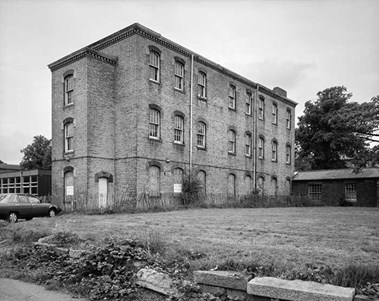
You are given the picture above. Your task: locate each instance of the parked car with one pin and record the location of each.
(15, 205)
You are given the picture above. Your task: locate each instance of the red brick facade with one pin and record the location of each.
(112, 97)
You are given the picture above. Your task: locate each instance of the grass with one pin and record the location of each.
(290, 237)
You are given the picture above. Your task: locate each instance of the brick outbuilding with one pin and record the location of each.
(133, 111)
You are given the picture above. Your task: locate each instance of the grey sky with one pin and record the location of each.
(301, 46)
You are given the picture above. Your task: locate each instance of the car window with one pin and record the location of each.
(23, 199)
(7, 198)
(34, 200)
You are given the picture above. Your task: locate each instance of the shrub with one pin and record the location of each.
(191, 188)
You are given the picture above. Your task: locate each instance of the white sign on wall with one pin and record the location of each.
(177, 188)
(69, 190)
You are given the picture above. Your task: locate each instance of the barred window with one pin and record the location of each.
(261, 147)
(261, 108)
(274, 156)
(154, 124)
(249, 103)
(178, 129)
(201, 132)
(232, 97)
(351, 192)
(232, 142)
(68, 137)
(202, 82)
(179, 75)
(274, 113)
(248, 145)
(68, 89)
(154, 66)
(315, 192)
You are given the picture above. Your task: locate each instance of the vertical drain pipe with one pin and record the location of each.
(255, 119)
(191, 123)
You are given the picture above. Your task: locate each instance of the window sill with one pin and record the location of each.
(248, 156)
(261, 118)
(274, 161)
(178, 143)
(179, 90)
(68, 105)
(70, 152)
(248, 114)
(154, 81)
(261, 158)
(231, 154)
(275, 123)
(201, 148)
(155, 139)
(201, 98)
(232, 109)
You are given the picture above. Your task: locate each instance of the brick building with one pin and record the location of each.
(134, 110)
(336, 187)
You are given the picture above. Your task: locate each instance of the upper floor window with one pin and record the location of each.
(274, 113)
(232, 142)
(178, 129)
(261, 147)
(261, 108)
(154, 124)
(249, 103)
(202, 82)
(248, 144)
(288, 154)
(68, 136)
(68, 89)
(154, 66)
(232, 97)
(274, 153)
(179, 75)
(201, 134)
(289, 117)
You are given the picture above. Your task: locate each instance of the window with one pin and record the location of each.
(232, 97)
(274, 113)
(201, 132)
(202, 81)
(248, 186)
(202, 176)
(231, 142)
(231, 185)
(68, 186)
(248, 145)
(249, 103)
(288, 154)
(154, 124)
(351, 192)
(261, 185)
(288, 186)
(261, 108)
(261, 147)
(178, 129)
(154, 66)
(178, 180)
(179, 75)
(68, 89)
(274, 156)
(274, 184)
(314, 192)
(289, 117)
(154, 181)
(68, 137)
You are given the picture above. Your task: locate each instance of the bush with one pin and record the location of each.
(191, 188)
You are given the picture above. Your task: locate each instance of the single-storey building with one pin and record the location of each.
(336, 187)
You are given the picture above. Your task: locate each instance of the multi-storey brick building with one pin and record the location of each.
(133, 111)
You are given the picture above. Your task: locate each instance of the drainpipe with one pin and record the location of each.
(190, 114)
(255, 134)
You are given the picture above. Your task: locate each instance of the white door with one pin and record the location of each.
(103, 192)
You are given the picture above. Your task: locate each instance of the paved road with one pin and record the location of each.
(15, 290)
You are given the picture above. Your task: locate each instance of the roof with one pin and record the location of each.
(8, 167)
(335, 174)
(94, 51)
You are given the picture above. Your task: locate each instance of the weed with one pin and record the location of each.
(357, 275)
(154, 242)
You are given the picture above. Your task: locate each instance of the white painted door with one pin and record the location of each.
(103, 192)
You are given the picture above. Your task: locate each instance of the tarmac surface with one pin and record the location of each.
(15, 290)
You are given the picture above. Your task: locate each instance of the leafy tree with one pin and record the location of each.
(37, 154)
(332, 129)
(1, 161)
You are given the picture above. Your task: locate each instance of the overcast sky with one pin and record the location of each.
(302, 46)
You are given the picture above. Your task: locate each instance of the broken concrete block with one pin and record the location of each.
(156, 281)
(298, 290)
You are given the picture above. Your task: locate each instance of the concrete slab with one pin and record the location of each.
(298, 290)
(225, 279)
(156, 281)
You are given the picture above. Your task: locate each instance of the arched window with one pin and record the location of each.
(231, 185)
(274, 151)
(68, 136)
(179, 75)
(261, 147)
(248, 143)
(288, 186)
(288, 154)
(178, 129)
(274, 184)
(154, 124)
(261, 108)
(261, 185)
(288, 119)
(68, 186)
(274, 113)
(248, 186)
(178, 179)
(232, 97)
(154, 66)
(202, 83)
(249, 103)
(231, 142)
(68, 89)
(202, 176)
(154, 181)
(201, 134)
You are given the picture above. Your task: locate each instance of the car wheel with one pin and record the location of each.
(52, 213)
(12, 217)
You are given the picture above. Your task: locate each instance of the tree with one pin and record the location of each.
(1, 161)
(37, 154)
(333, 129)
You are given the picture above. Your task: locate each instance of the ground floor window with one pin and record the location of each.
(315, 192)
(351, 192)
